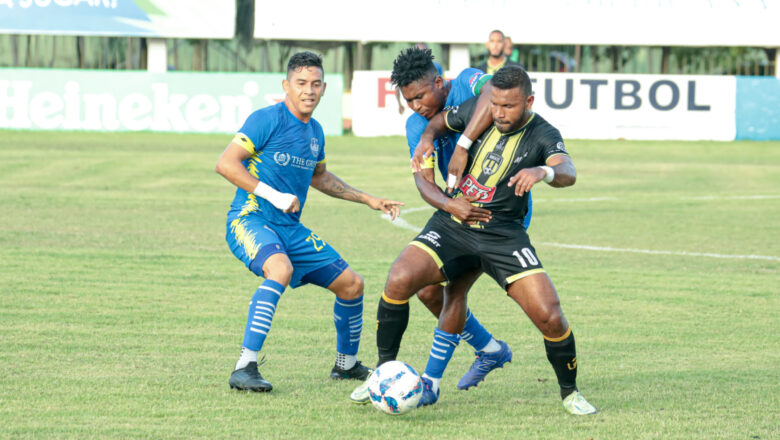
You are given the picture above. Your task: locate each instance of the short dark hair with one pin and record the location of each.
(510, 77)
(304, 59)
(412, 64)
(496, 31)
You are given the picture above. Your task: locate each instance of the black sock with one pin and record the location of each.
(391, 321)
(562, 355)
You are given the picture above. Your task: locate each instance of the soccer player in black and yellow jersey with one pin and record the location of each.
(518, 151)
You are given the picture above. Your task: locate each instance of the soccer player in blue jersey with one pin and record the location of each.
(427, 93)
(274, 158)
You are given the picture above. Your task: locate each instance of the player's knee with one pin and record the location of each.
(354, 289)
(399, 283)
(279, 270)
(552, 323)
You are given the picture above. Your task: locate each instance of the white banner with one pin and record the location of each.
(588, 106)
(629, 23)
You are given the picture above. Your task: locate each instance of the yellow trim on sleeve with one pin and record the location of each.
(322, 161)
(244, 141)
(520, 275)
(393, 301)
(553, 155)
(447, 122)
(430, 252)
(565, 335)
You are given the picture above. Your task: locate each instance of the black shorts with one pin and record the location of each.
(502, 251)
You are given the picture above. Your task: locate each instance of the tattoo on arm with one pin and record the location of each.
(333, 186)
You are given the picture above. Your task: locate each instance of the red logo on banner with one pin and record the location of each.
(470, 187)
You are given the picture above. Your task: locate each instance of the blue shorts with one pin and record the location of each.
(252, 240)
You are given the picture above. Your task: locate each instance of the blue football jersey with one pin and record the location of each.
(285, 152)
(468, 84)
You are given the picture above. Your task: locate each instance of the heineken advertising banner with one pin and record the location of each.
(132, 18)
(93, 100)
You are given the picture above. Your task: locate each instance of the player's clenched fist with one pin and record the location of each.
(294, 206)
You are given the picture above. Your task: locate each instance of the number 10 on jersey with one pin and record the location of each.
(526, 254)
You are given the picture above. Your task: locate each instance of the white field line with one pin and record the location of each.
(647, 251)
(731, 197)
(403, 224)
(615, 199)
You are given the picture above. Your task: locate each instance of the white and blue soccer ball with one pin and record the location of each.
(395, 388)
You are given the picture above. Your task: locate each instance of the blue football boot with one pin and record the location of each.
(484, 364)
(428, 396)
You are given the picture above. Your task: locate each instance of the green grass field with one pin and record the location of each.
(122, 309)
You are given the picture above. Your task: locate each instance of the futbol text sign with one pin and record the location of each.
(588, 106)
(53, 99)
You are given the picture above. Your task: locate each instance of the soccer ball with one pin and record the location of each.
(395, 388)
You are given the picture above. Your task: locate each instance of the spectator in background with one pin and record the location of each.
(509, 50)
(496, 58)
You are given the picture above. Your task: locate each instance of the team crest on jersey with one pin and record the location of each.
(282, 158)
(315, 147)
(491, 163)
(471, 187)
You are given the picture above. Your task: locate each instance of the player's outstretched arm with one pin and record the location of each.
(230, 166)
(330, 184)
(461, 208)
(559, 172)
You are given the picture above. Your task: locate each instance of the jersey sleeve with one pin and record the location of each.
(256, 131)
(474, 79)
(552, 143)
(457, 118)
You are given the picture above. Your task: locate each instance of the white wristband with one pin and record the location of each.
(281, 201)
(464, 142)
(451, 180)
(550, 173)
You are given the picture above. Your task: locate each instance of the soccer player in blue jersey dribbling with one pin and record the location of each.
(274, 158)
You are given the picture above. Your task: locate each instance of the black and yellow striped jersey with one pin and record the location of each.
(495, 157)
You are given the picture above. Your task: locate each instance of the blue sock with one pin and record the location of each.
(348, 317)
(261, 313)
(441, 352)
(473, 333)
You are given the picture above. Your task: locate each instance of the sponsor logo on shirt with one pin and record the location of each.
(432, 237)
(284, 159)
(520, 158)
(470, 187)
